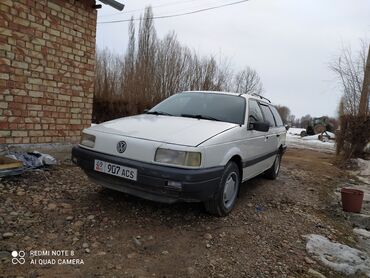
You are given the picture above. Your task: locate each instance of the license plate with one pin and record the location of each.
(115, 170)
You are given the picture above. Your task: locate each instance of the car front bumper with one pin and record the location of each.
(152, 180)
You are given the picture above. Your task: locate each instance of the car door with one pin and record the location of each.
(271, 138)
(254, 146)
(280, 128)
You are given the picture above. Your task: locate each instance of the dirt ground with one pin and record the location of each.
(121, 236)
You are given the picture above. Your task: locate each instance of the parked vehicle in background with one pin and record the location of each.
(193, 147)
(319, 125)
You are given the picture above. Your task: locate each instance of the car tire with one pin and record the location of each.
(273, 172)
(225, 198)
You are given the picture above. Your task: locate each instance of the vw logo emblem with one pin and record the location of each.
(121, 146)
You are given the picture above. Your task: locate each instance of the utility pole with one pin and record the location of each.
(364, 100)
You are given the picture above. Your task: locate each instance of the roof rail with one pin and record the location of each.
(261, 97)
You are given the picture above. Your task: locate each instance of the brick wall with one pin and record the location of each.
(47, 63)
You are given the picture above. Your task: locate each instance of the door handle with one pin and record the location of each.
(277, 135)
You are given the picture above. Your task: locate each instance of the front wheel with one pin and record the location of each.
(273, 172)
(224, 200)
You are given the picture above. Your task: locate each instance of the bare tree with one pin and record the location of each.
(353, 70)
(144, 64)
(284, 113)
(292, 120)
(108, 71)
(128, 69)
(305, 121)
(350, 69)
(248, 81)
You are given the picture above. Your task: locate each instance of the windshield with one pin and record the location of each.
(209, 106)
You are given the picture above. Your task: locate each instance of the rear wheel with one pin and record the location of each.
(273, 172)
(225, 199)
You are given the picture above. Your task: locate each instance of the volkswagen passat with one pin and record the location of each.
(192, 147)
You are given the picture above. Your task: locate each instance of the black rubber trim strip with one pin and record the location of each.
(259, 159)
(85, 159)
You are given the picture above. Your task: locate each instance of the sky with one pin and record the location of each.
(290, 43)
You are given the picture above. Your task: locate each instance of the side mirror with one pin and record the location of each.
(146, 110)
(260, 126)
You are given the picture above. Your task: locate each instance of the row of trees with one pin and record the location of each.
(153, 69)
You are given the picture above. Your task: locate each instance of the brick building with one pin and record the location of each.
(47, 63)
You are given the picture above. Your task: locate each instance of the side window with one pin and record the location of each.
(268, 115)
(279, 121)
(255, 113)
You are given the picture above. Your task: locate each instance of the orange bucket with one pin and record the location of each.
(352, 199)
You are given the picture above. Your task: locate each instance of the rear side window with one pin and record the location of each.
(279, 121)
(255, 113)
(268, 115)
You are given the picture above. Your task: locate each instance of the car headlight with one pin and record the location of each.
(192, 159)
(87, 140)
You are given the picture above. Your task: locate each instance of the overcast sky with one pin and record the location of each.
(288, 42)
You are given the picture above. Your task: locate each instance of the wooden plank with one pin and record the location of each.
(9, 163)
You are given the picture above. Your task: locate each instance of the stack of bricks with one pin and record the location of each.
(47, 63)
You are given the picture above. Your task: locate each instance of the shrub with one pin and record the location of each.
(353, 136)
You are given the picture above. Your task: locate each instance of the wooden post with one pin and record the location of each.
(364, 100)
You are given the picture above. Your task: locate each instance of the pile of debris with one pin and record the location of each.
(10, 167)
(16, 163)
(324, 136)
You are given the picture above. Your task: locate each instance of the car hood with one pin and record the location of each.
(166, 129)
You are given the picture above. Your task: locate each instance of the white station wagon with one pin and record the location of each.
(196, 146)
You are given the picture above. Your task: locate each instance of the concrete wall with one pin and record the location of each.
(47, 63)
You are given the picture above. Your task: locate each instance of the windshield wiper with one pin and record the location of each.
(158, 113)
(204, 117)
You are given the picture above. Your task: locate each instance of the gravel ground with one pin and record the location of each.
(122, 236)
